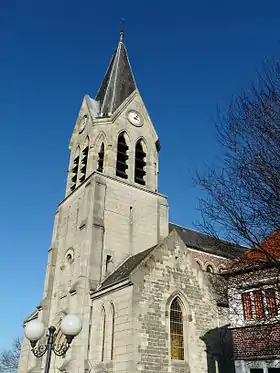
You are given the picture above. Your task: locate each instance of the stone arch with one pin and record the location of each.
(178, 294)
(128, 138)
(69, 255)
(102, 333)
(99, 139)
(77, 151)
(74, 170)
(84, 160)
(112, 330)
(86, 142)
(123, 159)
(98, 152)
(209, 267)
(143, 141)
(140, 161)
(178, 326)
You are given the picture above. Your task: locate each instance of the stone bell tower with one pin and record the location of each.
(112, 208)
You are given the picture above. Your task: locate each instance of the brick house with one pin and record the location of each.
(253, 296)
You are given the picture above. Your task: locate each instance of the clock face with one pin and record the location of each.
(135, 118)
(83, 123)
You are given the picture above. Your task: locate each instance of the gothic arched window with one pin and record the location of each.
(140, 163)
(176, 330)
(112, 331)
(101, 158)
(103, 333)
(122, 157)
(74, 170)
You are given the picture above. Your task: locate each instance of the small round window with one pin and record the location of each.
(209, 268)
(69, 256)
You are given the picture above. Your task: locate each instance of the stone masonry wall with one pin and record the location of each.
(118, 357)
(167, 272)
(132, 220)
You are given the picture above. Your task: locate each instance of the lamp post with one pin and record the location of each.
(70, 326)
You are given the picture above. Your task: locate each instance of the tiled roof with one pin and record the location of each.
(208, 244)
(268, 251)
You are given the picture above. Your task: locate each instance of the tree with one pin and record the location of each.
(9, 359)
(242, 199)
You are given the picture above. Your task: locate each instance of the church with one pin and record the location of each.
(147, 291)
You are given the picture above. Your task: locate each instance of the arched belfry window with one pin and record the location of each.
(84, 161)
(176, 330)
(122, 157)
(101, 158)
(74, 170)
(140, 163)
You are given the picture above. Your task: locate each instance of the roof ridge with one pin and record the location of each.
(194, 230)
(207, 243)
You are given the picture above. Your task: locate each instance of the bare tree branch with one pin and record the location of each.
(243, 196)
(9, 359)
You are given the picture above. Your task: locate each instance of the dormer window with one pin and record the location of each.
(140, 163)
(122, 157)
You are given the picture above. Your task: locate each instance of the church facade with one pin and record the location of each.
(145, 289)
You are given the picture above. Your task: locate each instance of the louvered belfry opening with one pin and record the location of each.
(101, 158)
(122, 157)
(140, 164)
(74, 172)
(84, 160)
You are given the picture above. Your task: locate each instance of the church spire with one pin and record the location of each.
(122, 30)
(118, 82)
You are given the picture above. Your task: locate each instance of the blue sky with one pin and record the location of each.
(188, 57)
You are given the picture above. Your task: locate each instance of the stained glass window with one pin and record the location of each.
(176, 330)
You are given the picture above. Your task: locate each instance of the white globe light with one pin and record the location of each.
(34, 330)
(71, 325)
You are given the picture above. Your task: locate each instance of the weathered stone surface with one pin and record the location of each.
(125, 325)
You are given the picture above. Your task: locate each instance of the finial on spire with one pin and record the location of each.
(122, 30)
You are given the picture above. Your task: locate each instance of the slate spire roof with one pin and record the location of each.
(118, 82)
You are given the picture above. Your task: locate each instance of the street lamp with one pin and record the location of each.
(70, 326)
